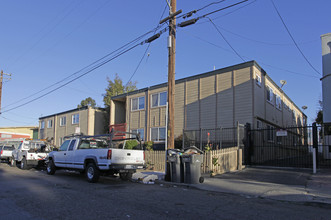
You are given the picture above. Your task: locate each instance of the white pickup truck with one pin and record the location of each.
(30, 153)
(94, 155)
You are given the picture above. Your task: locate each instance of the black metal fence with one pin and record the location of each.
(287, 147)
(214, 139)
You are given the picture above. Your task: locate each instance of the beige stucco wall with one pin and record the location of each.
(21, 130)
(91, 122)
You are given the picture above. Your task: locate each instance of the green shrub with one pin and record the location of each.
(149, 145)
(131, 144)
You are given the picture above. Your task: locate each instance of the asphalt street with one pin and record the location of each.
(32, 194)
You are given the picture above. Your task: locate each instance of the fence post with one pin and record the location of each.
(315, 141)
(238, 133)
(248, 150)
(314, 160)
(183, 143)
(201, 148)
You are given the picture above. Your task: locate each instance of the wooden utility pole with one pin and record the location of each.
(1, 80)
(171, 76)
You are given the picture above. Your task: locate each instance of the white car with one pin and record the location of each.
(6, 152)
(94, 155)
(30, 153)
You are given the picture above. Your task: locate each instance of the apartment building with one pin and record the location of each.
(241, 93)
(85, 120)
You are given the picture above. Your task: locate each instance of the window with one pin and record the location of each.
(42, 124)
(75, 119)
(140, 131)
(258, 79)
(138, 103)
(159, 99)
(258, 124)
(63, 121)
(270, 133)
(158, 134)
(278, 102)
(64, 146)
(49, 123)
(270, 94)
(72, 144)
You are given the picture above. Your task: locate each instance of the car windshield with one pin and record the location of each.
(8, 148)
(92, 144)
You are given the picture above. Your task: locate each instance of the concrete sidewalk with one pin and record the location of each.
(278, 184)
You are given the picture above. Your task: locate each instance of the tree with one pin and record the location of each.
(116, 87)
(87, 102)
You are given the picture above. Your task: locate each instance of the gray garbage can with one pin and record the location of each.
(176, 168)
(192, 168)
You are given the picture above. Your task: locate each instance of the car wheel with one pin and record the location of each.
(13, 162)
(51, 168)
(24, 165)
(126, 176)
(92, 173)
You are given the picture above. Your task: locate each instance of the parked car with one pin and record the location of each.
(30, 153)
(6, 152)
(94, 155)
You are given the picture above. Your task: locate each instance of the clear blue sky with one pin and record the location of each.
(42, 42)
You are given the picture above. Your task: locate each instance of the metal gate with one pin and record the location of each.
(287, 147)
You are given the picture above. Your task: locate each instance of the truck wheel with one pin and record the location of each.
(92, 173)
(50, 168)
(13, 162)
(24, 165)
(126, 176)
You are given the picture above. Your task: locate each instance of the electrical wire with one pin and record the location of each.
(57, 88)
(225, 39)
(274, 67)
(145, 50)
(213, 3)
(230, 6)
(66, 78)
(288, 31)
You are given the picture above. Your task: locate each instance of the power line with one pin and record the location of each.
(275, 67)
(288, 31)
(213, 3)
(225, 39)
(64, 79)
(57, 88)
(145, 50)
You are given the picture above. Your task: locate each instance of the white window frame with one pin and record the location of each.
(42, 124)
(270, 91)
(158, 104)
(75, 119)
(158, 134)
(50, 123)
(278, 102)
(258, 79)
(63, 121)
(139, 130)
(138, 99)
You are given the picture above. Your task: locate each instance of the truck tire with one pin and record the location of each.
(126, 176)
(92, 173)
(13, 162)
(24, 165)
(50, 168)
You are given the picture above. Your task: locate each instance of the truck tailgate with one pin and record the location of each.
(122, 156)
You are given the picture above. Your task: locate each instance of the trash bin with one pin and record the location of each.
(176, 167)
(192, 168)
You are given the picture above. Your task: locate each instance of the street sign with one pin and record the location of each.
(281, 133)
